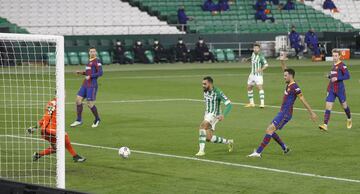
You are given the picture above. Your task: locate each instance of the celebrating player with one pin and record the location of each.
(48, 132)
(292, 91)
(89, 88)
(213, 97)
(336, 88)
(258, 65)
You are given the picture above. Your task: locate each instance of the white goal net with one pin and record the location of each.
(31, 74)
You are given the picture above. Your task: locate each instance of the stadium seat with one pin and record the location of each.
(219, 55)
(129, 55)
(51, 58)
(73, 58)
(229, 53)
(149, 55)
(66, 60)
(84, 58)
(105, 57)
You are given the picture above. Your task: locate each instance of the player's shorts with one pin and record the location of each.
(255, 80)
(211, 118)
(88, 93)
(281, 119)
(331, 96)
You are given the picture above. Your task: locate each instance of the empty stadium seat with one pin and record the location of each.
(229, 53)
(105, 57)
(82, 17)
(73, 58)
(84, 58)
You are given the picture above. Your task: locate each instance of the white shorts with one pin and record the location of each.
(255, 80)
(211, 118)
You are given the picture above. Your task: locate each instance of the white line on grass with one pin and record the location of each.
(198, 100)
(207, 161)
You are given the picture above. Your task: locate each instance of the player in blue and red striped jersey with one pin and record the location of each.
(336, 88)
(292, 91)
(89, 88)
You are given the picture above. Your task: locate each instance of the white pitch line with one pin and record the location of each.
(207, 161)
(198, 100)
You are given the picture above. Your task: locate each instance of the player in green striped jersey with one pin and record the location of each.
(258, 65)
(213, 97)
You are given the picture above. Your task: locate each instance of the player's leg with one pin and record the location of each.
(204, 126)
(348, 114)
(91, 97)
(268, 135)
(261, 94)
(79, 106)
(70, 149)
(211, 137)
(330, 98)
(250, 91)
(47, 151)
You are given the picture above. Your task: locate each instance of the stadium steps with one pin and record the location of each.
(11, 27)
(240, 18)
(348, 11)
(82, 17)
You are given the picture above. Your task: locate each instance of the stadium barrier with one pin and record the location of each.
(7, 186)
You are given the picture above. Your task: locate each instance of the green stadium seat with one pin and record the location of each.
(149, 55)
(84, 58)
(105, 57)
(73, 58)
(129, 55)
(229, 53)
(219, 55)
(51, 58)
(66, 60)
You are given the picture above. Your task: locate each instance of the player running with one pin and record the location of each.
(213, 97)
(258, 65)
(48, 132)
(89, 88)
(292, 91)
(336, 88)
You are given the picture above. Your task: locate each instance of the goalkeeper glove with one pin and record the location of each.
(31, 130)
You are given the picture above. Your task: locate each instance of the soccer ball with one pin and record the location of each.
(124, 152)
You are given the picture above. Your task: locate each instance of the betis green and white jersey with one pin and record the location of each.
(213, 99)
(258, 61)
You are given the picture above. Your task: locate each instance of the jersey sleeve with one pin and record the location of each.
(263, 61)
(99, 71)
(223, 97)
(343, 73)
(297, 90)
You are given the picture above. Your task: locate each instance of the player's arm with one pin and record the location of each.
(80, 72)
(227, 103)
(343, 74)
(313, 116)
(99, 71)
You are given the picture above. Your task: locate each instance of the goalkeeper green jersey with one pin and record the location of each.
(258, 61)
(213, 99)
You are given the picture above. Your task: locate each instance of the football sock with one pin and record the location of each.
(276, 137)
(95, 112)
(264, 143)
(79, 109)
(348, 113)
(47, 151)
(68, 146)
(262, 96)
(251, 96)
(217, 139)
(327, 116)
(202, 139)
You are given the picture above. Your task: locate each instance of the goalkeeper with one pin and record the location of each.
(48, 132)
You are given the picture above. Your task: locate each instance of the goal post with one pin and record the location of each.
(31, 74)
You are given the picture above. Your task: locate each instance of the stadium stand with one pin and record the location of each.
(240, 17)
(348, 10)
(82, 17)
(6, 26)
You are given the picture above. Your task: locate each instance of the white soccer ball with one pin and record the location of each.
(124, 152)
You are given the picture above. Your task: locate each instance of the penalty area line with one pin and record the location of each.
(206, 161)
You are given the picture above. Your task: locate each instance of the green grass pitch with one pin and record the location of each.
(155, 110)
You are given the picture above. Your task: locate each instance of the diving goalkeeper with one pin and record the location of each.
(47, 126)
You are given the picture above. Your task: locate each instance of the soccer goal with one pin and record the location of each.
(31, 74)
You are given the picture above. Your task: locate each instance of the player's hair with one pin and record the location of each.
(257, 44)
(336, 51)
(290, 71)
(92, 48)
(209, 79)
